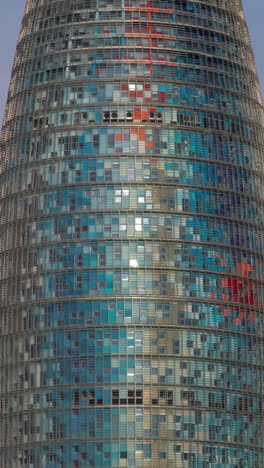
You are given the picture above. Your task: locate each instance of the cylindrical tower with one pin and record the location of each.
(132, 238)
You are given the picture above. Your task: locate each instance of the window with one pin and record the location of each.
(147, 450)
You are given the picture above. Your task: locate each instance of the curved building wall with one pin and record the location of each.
(132, 238)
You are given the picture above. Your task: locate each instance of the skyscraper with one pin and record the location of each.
(132, 238)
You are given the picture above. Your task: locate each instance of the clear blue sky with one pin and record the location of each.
(11, 14)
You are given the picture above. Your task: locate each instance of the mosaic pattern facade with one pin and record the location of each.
(131, 261)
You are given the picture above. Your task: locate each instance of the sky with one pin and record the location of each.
(11, 12)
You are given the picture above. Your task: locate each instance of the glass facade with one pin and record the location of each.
(132, 238)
